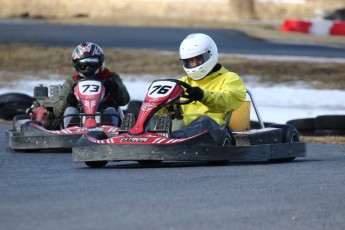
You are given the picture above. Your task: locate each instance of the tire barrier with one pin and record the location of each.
(304, 126)
(330, 125)
(314, 26)
(12, 104)
(325, 125)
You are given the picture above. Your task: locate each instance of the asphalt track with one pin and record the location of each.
(46, 190)
(228, 41)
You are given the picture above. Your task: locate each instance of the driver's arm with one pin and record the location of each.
(229, 97)
(60, 106)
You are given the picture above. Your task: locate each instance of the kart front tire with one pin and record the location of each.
(99, 135)
(290, 135)
(96, 164)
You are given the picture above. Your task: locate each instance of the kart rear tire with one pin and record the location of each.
(99, 135)
(96, 164)
(290, 134)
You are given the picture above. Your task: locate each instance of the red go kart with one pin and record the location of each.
(39, 130)
(145, 142)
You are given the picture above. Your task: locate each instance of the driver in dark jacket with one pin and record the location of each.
(88, 62)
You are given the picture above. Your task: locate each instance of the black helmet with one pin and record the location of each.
(88, 59)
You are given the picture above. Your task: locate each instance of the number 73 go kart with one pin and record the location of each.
(146, 143)
(39, 130)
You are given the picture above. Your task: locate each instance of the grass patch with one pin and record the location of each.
(40, 61)
(323, 139)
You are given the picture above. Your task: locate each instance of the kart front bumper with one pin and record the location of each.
(188, 153)
(16, 141)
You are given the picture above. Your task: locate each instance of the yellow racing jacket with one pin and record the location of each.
(224, 92)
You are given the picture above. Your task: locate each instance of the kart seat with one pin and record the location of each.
(240, 118)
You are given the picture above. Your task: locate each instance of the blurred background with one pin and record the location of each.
(200, 10)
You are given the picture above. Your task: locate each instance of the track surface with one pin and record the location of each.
(228, 41)
(48, 191)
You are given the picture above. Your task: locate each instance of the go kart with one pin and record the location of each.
(38, 129)
(136, 141)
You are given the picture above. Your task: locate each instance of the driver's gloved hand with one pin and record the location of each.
(110, 87)
(195, 93)
(72, 99)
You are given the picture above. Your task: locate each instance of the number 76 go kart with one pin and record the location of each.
(138, 141)
(39, 130)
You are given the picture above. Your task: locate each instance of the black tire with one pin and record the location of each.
(330, 122)
(96, 164)
(99, 135)
(134, 107)
(12, 104)
(149, 162)
(305, 126)
(329, 132)
(304, 123)
(15, 97)
(128, 121)
(290, 134)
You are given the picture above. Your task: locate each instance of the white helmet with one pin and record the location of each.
(198, 45)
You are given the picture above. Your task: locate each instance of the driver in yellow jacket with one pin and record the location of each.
(216, 91)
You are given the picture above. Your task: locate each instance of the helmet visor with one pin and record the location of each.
(86, 63)
(196, 61)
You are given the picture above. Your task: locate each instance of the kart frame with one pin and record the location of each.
(30, 135)
(265, 143)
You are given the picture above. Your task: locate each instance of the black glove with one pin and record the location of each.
(110, 87)
(195, 93)
(72, 99)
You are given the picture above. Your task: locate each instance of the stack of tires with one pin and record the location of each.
(325, 125)
(12, 104)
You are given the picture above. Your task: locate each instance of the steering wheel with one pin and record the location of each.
(184, 95)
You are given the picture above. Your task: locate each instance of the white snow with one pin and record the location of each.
(278, 103)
